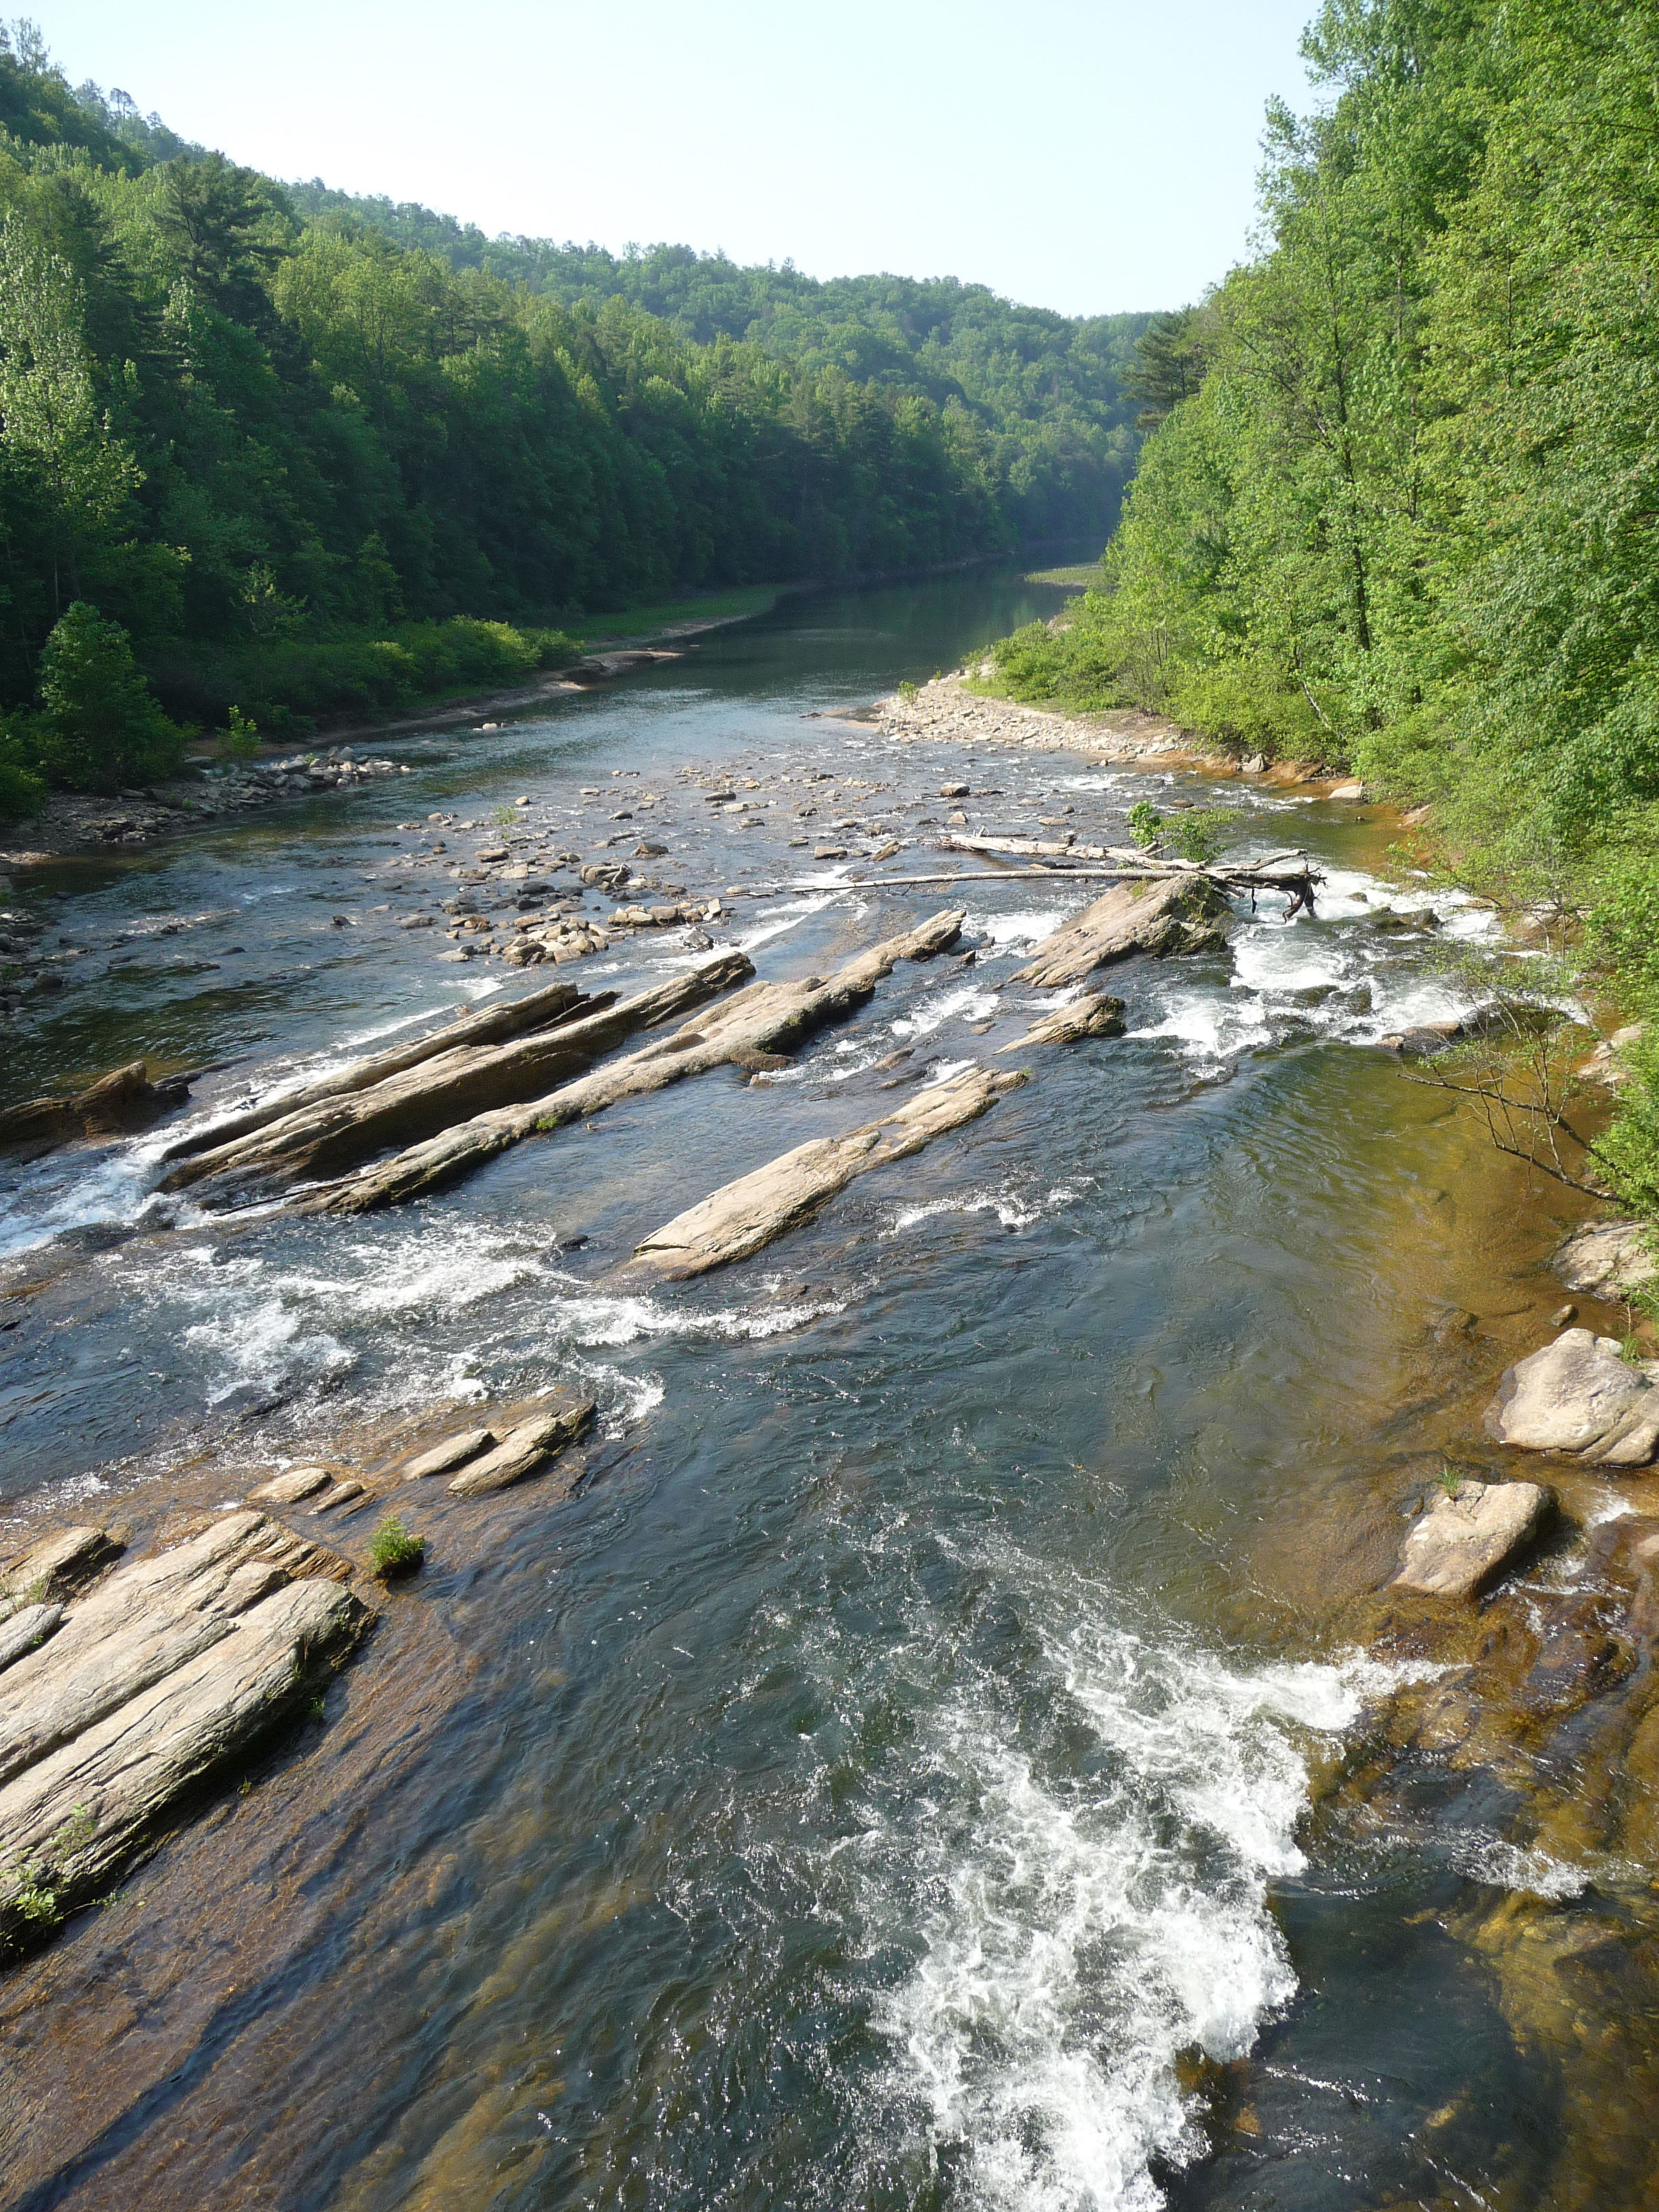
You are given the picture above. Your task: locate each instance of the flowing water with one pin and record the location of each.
(890, 1782)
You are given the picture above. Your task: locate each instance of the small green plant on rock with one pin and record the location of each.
(394, 1551)
(1451, 1479)
(908, 693)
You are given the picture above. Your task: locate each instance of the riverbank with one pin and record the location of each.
(947, 710)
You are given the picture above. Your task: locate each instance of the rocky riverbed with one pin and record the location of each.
(949, 1394)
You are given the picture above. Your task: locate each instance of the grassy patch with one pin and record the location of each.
(706, 606)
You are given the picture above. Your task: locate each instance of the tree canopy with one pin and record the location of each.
(1406, 518)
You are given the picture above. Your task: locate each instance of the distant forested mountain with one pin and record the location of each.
(281, 451)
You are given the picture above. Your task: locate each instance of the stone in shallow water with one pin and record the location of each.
(1459, 1542)
(454, 1451)
(1607, 1259)
(289, 1488)
(1577, 1395)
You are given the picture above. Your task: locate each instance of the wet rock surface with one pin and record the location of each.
(1577, 1395)
(157, 1679)
(1464, 1537)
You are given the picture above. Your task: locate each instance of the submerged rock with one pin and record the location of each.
(1577, 1395)
(1460, 1541)
(1607, 1259)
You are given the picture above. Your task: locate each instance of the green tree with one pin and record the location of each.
(98, 725)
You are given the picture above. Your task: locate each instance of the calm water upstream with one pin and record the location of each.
(894, 1769)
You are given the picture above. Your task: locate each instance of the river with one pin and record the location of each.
(891, 1781)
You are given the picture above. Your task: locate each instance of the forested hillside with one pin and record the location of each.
(1050, 386)
(256, 457)
(1403, 506)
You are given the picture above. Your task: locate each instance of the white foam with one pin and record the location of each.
(1084, 1922)
(968, 1001)
(1012, 1210)
(1012, 932)
(1534, 1873)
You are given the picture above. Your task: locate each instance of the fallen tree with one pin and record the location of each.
(754, 1030)
(749, 1213)
(335, 1132)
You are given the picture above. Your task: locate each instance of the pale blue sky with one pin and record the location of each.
(1085, 154)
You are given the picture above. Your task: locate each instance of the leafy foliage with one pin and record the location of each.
(1407, 519)
(392, 1551)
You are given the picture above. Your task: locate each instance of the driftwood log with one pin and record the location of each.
(751, 1029)
(1095, 1014)
(166, 1670)
(749, 1213)
(334, 1132)
(1176, 913)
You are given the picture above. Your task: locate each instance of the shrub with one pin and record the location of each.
(97, 726)
(394, 1551)
(20, 789)
(240, 738)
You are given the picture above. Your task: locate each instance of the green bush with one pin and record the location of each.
(1244, 706)
(283, 680)
(20, 789)
(97, 726)
(394, 1551)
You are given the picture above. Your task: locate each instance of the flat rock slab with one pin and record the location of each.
(454, 1451)
(450, 1086)
(749, 1213)
(524, 1450)
(1577, 1395)
(1095, 1014)
(1461, 1542)
(766, 1017)
(59, 1565)
(164, 1672)
(289, 1488)
(1173, 913)
(26, 1629)
(1606, 1260)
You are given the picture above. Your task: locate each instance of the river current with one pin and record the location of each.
(892, 1780)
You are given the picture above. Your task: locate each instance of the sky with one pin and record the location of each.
(1088, 156)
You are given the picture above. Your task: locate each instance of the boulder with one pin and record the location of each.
(1577, 1395)
(58, 1564)
(1607, 1259)
(1460, 1542)
(1174, 913)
